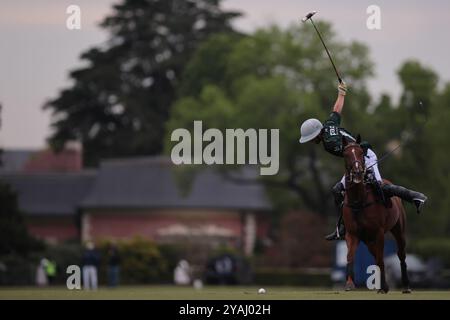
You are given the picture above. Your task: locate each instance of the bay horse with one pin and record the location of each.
(367, 218)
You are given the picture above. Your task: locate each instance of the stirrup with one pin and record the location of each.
(334, 236)
(419, 203)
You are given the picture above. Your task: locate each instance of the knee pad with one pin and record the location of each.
(338, 187)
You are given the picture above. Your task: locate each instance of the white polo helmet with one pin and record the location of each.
(310, 129)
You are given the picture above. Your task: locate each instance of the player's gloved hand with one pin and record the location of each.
(342, 88)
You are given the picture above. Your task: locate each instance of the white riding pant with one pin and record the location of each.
(371, 161)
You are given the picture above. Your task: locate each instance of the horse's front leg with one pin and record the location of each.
(352, 245)
(379, 258)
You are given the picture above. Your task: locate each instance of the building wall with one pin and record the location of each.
(52, 228)
(202, 226)
(160, 223)
(238, 228)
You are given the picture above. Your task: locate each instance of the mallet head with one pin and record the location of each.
(308, 16)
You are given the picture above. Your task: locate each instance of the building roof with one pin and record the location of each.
(134, 183)
(14, 160)
(151, 183)
(50, 194)
(41, 161)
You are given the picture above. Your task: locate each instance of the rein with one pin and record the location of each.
(357, 206)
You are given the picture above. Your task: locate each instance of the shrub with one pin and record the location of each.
(63, 255)
(16, 269)
(433, 248)
(141, 261)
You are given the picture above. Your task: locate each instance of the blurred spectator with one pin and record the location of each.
(221, 270)
(113, 266)
(50, 271)
(228, 269)
(224, 267)
(41, 274)
(90, 262)
(182, 273)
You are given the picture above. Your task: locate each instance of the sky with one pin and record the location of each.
(37, 51)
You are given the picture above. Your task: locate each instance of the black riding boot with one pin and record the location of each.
(338, 193)
(411, 196)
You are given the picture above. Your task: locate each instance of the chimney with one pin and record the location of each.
(70, 159)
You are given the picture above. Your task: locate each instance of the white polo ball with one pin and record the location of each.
(261, 291)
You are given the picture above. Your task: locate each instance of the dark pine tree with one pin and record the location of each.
(120, 101)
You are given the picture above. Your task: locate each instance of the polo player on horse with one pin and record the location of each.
(331, 134)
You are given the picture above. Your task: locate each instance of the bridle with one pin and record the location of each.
(355, 173)
(351, 175)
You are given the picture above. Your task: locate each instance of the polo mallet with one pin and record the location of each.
(309, 17)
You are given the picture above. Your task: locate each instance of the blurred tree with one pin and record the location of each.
(383, 116)
(433, 172)
(14, 237)
(419, 84)
(1, 149)
(119, 102)
(276, 79)
(421, 163)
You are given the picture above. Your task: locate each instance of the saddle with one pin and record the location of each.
(377, 190)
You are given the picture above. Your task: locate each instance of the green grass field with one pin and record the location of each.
(214, 293)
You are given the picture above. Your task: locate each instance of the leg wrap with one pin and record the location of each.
(338, 195)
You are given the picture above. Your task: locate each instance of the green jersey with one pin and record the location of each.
(332, 135)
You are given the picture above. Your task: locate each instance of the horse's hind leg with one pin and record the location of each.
(399, 236)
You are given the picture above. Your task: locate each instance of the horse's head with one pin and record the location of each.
(355, 167)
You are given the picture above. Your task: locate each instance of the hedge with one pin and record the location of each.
(433, 248)
(143, 262)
